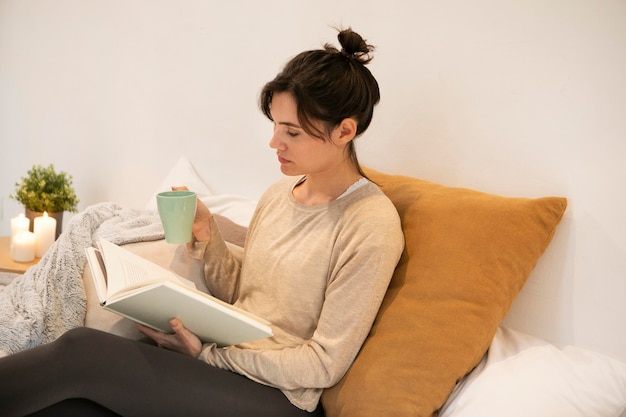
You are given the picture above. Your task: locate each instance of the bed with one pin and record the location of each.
(439, 345)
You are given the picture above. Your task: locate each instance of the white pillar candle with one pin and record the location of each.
(23, 247)
(45, 231)
(20, 223)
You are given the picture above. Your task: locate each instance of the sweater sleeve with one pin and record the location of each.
(221, 268)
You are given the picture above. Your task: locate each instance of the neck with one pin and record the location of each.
(324, 187)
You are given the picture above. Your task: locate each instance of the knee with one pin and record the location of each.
(78, 334)
(78, 340)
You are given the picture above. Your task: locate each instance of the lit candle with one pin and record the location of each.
(23, 247)
(19, 224)
(45, 231)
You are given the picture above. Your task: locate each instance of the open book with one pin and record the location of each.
(147, 293)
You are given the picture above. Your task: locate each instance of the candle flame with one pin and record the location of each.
(45, 214)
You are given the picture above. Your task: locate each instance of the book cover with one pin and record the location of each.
(142, 291)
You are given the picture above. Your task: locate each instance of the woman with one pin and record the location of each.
(319, 254)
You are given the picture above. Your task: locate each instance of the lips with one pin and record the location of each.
(282, 160)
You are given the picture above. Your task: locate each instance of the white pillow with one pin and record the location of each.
(523, 376)
(237, 208)
(182, 173)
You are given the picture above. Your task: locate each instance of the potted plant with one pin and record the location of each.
(45, 190)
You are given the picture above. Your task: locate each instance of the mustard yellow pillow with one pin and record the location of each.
(466, 258)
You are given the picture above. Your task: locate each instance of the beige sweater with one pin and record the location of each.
(318, 274)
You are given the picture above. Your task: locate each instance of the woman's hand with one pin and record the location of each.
(181, 341)
(201, 228)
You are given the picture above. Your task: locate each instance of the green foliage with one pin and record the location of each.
(43, 189)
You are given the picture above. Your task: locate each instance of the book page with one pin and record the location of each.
(125, 270)
(134, 273)
(98, 273)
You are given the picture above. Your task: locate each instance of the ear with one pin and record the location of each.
(345, 131)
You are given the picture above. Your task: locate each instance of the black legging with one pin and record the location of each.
(102, 374)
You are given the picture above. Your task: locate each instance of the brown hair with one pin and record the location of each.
(329, 85)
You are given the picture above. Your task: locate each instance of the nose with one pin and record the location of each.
(275, 142)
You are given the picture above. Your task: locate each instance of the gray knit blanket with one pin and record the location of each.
(49, 298)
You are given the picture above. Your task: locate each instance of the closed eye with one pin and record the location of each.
(291, 129)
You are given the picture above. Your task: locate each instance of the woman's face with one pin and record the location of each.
(298, 152)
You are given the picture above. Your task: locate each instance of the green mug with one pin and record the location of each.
(177, 210)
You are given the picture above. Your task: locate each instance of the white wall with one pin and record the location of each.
(521, 98)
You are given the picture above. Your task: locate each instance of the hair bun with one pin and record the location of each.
(354, 46)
